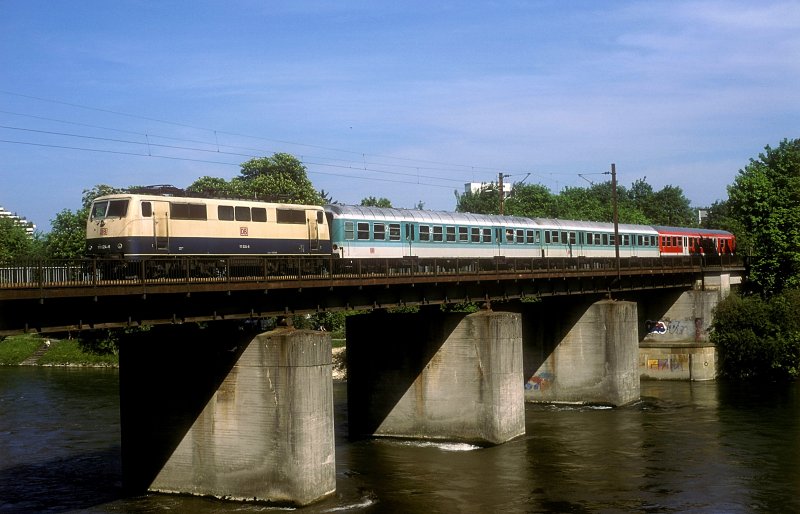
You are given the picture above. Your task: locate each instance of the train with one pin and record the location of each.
(139, 226)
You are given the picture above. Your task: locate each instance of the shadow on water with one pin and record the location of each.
(63, 484)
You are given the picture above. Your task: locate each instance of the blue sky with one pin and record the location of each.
(404, 100)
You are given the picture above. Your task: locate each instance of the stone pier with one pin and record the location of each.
(218, 413)
(433, 375)
(581, 351)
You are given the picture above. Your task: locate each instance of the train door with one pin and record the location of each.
(408, 249)
(160, 211)
(313, 220)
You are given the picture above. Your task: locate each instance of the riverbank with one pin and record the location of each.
(34, 350)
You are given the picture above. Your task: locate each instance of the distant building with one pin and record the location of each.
(477, 187)
(702, 214)
(30, 228)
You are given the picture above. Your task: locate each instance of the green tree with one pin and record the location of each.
(758, 338)
(669, 206)
(67, 238)
(719, 217)
(531, 201)
(485, 201)
(15, 243)
(281, 177)
(371, 201)
(765, 199)
(211, 187)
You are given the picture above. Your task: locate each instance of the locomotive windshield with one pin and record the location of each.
(109, 209)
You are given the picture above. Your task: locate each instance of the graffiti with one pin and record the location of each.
(540, 382)
(671, 363)
(665, 327)
(656, 327)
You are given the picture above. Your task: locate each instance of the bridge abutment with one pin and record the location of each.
(225, 414)
(436, 375)
(581, 351)
(676, 344)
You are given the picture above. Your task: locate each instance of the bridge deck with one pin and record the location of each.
(69, 295)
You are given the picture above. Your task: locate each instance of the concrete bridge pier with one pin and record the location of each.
(434, 375)
(223, 413)
(579, 350)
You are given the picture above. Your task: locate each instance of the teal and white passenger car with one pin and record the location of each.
(376, 232)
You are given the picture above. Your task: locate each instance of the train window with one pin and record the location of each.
(424, 233)
(147, 209)
(295, 216)
(197, 211)
(572, 238)
(463, 234)
(187, 211)
(564, 238)
(626, 240)
(117, 209)
(349, 230)
(450, 233)
(475, 235)
(110, 209)
(379, 231)
(363, 230)
(225, 212)
(487, 235)
(589, 238)
(242, 213)
(520, 236)
(653, 241)
(437, 234)
(639, 241)
(394, 232)
(605, 239)
(259, 214)
(509, 235)
(547, 236)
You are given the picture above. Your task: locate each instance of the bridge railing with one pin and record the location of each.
(98, 272)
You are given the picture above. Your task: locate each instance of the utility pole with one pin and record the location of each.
(500, 178)
(616, 216)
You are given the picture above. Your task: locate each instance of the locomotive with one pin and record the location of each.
(136, 226)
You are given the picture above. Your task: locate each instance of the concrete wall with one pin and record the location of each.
(436, 376)
(583, 351)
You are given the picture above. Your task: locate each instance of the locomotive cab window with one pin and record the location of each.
(110, 209)
(147, 209)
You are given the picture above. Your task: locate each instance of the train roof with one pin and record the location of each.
(442, 217)
(691, 231)
(201, 199)
(357, 212)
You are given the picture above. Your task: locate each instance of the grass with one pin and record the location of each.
(67, 352)
(16, 349)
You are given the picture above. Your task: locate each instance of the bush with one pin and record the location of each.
(758, 338)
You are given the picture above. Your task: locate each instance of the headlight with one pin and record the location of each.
(119, 246)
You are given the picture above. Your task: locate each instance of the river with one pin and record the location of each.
(685, 447)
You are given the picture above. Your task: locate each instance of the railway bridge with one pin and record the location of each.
(210, 406)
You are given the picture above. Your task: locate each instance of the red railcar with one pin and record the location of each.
(694, 241)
